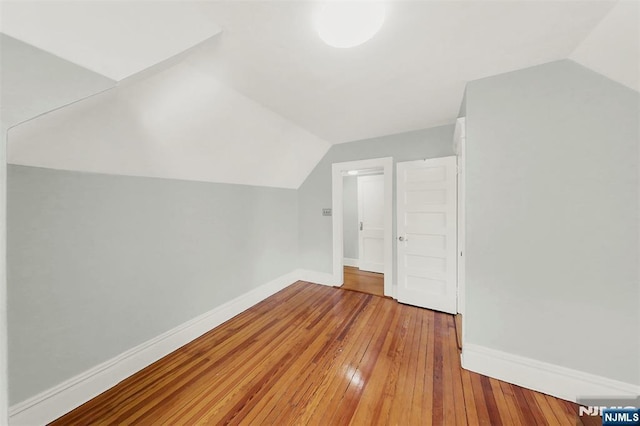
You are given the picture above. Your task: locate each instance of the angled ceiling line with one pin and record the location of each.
(593, 29)
(409, 76)
(114, 39)
(142, 74)
(191, 93)
(35, 117)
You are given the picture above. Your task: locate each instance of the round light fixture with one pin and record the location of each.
(345, 24)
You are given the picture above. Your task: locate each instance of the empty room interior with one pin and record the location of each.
(319, 212)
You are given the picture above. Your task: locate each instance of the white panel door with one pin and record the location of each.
(427, 240)
(371, 221)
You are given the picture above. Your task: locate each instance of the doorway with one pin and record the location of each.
(363, 220)
(364, 167)
(363, 231)
(363, 281)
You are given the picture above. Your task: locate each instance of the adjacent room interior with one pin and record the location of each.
(363, 230)
(327, 212)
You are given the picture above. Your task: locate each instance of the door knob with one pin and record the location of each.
(402, 239)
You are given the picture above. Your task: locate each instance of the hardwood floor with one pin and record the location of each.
(318, 355)
(457, 322)
(366, 282)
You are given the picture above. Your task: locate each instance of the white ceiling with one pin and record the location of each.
(260, 102)
(114, 38)
(34, 82)
(613, 47)
(179, 123)
(411, 75)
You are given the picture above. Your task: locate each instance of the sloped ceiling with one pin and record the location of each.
(411, 75)
(34, 82)
(114, 38)
(179, 123)
(261, 102)
(613, 47)
(162, 118)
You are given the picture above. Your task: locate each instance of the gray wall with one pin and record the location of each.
(99, 263)
(350, 217)
(315, 236)
(4, 388)
(552, 218)
(34, 81)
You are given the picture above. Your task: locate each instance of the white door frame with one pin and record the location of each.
(460, 146)
(338, 170)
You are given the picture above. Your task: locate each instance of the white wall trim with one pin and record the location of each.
(54, 402)
(460, 148)
(316, 277)
(541, 376)
(337, 172)
(347, 261)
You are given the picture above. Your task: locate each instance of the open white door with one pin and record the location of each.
(371, 221)
(427, 246)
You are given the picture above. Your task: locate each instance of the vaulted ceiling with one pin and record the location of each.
(411, 75)
(209, 90)
(114, 38)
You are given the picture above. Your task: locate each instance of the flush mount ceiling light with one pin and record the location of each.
(345, 24)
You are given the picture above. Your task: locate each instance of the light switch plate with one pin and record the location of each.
(326, 212)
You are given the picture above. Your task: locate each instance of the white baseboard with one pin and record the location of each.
(316, 277)
(347, 261)
(551, 379)
(59, 400)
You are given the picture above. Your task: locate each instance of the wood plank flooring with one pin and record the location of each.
(457, 321)
(366, 282)
(318, 355)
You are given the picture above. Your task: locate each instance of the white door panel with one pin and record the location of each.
(426, 206)
(371, 218)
